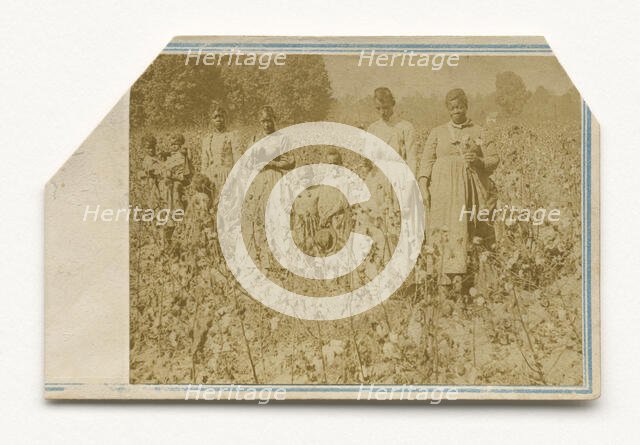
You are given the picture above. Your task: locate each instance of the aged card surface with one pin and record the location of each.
(370, 218)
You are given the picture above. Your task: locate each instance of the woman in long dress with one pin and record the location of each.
(455, 172)
(399, 134)
(267, 178)
(220, 149)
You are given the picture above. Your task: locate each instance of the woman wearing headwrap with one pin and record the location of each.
(455, 168)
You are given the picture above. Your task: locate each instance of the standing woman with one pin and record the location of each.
(455, 168)
(220, 149)
(269, 175)
(400, 135)
(396, 132)
(275, 169)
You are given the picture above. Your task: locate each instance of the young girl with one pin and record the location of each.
(198, 212)
(176, 171)
(150, 172)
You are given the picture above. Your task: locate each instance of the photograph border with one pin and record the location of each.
(590, 253)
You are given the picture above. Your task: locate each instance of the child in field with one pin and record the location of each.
(177, 172)
(210, 239)
(150, 172)
(199, 209)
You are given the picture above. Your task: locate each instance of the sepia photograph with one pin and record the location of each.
(495, 294)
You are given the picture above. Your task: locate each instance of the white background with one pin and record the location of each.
(64, 64)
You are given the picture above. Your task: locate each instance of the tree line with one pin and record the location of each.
(172, 94)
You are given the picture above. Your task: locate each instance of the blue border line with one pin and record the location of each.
(358, 45)
(345, 388)
(588, 242)
(347, 51)
(337, 48)
(584, 244)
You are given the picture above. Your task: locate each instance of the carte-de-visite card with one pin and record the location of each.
(366, 218)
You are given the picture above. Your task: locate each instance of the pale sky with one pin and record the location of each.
(475, 74)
